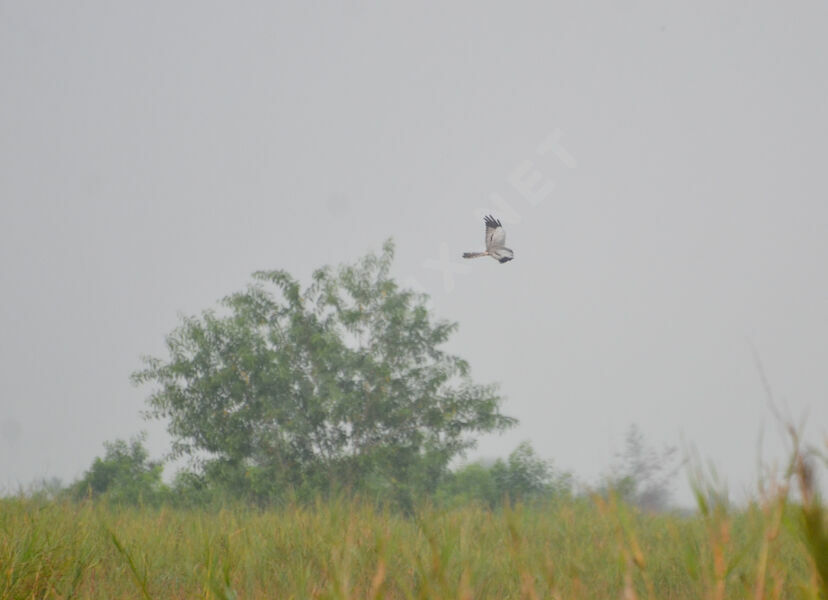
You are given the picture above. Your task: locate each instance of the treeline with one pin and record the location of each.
(125, 475)
(340, 386)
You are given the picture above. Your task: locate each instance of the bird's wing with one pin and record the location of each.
(495, 235)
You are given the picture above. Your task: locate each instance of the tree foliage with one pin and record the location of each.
(522, 477)
(124, 475)
(343, 382)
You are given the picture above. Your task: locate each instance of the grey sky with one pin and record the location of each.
(153, 155)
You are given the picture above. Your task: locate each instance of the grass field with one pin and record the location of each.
(574, 548)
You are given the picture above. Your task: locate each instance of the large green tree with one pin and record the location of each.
(343, 382)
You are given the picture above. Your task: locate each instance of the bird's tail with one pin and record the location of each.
(474, 254)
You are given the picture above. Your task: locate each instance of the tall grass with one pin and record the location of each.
(338, 549)
(587, 547)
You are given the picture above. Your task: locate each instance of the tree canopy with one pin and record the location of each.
(124, 475)
(522, 477)
(342, 382)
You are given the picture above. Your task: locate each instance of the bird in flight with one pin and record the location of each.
(495, 238)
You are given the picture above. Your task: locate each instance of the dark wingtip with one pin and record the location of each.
(506, 259)
(490, 221)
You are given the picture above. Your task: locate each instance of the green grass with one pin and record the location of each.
(578, 548)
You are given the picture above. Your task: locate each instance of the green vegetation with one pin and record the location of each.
(342, 385)
(523, 477)
(322, 423)
(124, 475)
(345, 548)
(132, 537)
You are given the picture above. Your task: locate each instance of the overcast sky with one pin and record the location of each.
(660, 171)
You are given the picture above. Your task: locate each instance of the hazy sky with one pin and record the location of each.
(660, 170)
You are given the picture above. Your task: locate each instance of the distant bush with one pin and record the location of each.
(125, 475)
(642, 475)
(522, 477)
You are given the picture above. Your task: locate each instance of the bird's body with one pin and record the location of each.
(495, 240)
